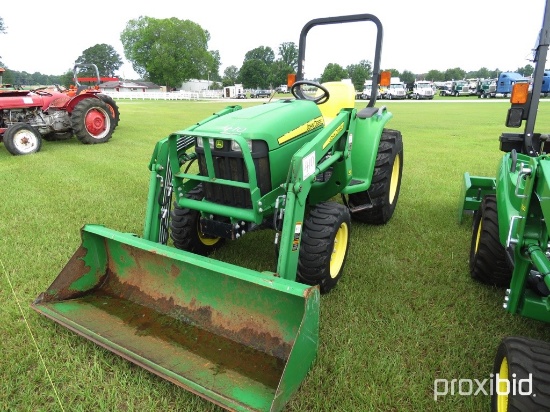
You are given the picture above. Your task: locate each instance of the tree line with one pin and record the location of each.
(171, 51)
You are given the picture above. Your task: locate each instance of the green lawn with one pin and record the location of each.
(404, 314)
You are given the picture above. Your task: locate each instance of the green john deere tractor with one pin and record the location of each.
(160, 302)
(510, 244)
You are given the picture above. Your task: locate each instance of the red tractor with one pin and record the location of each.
(54, 113)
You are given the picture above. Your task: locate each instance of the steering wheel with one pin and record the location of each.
(42, 92)
(298, 93)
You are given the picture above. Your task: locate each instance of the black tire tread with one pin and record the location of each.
(319, 231)
(78, 120)
(525, 356)
(490, 264)
(115, 110)
(391, 146)
(183, 227)
(10, 144)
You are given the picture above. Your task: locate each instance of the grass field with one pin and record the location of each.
(404, 314)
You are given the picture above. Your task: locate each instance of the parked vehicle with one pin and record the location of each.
(545, 89)
(396, 90)
(486, 88)
(283, 88)
(421, 89)
(510, 242)
(241, 338)
(506, 81)
(367, 91)
(260, 93)
(53, 114)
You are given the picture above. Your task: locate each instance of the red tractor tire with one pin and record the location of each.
(92, 121)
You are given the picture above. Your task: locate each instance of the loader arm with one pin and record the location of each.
(168, 156)
(310, 161)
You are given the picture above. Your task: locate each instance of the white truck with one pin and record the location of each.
(396, 90)
(367, 91)
(421, 89)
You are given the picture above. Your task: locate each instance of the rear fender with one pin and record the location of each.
(366, 139)
(69, 103)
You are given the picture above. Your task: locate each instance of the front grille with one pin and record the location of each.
(233, 168)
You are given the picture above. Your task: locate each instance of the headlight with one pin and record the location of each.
(210, 142)
(235, 146)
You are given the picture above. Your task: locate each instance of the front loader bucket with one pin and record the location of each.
(242, 339)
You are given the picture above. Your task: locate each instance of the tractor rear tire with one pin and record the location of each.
(488, 261)
(324, 246)
(91, 121)
(22, 139)
(185, 228)
(386, 182)
(113, 107)
(521, 376)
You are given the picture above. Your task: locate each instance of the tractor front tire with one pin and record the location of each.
(113, 107)
(185, 228)
(386, 182)
(324, 246)
(22, 139)
(488, 261)
(521, 376)
(91, 121)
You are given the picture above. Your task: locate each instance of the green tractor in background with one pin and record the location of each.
(510, 244)
(278, 166)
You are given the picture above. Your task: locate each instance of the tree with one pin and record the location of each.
(254, 74)
(289, 54)
(262, 53)
(279, 72)
(104, 57)
(214, 67)
(393, 72)
(358, 73)
(167, 51)
(526, 71)
(435, 76)
(455, 74)
(408, 77)
(230, 76)
(333, 72)
(2, 28)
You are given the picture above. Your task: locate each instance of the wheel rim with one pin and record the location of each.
(25, 141)
(503, 386)
(206, 240)
(478, 236)
(339, 250)
(97, 123)
(394, 182)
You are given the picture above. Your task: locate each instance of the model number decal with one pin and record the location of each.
(333, 135)
(304, 128)
(308, 165)
(233, 130)
(297, 233)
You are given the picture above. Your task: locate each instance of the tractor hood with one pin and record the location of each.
(24, 99)
(276, 123)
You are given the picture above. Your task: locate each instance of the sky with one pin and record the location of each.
(418, 36)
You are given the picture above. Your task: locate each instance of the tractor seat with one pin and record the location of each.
(341, 96)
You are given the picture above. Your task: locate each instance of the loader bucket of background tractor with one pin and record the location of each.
(242, 339)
